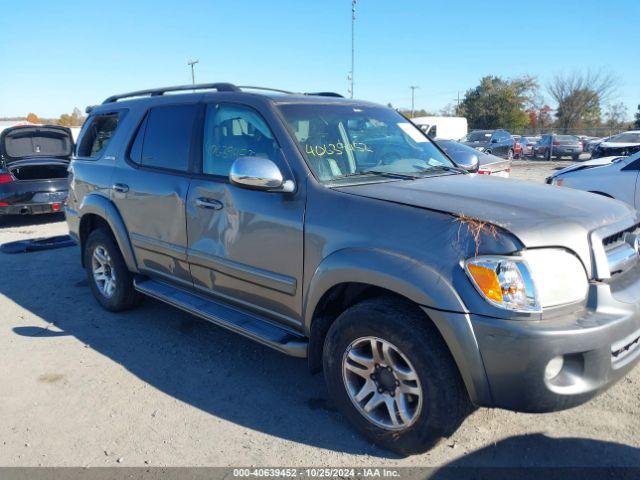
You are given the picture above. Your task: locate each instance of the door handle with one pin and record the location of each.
(120, 187)
(209, 203)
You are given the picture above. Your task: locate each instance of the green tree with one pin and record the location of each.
(579, 96)
(75, 119)
(499, 103)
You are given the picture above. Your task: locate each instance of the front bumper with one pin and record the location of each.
(599, 345)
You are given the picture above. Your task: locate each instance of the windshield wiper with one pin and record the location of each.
(442, 168)
(381, 173)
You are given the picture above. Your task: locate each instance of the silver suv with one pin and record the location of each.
(335, 230)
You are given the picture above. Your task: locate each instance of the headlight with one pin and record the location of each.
(504, 282)
(530, 282)
(480, 149)
(557, 181)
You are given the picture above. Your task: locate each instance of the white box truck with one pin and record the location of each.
(445, 128)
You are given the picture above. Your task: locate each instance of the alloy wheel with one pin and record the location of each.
(382, 383)
(103, 272)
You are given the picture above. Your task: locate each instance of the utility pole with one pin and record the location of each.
(413, 95)
(192, 64)
(353, 48)
(457, 100)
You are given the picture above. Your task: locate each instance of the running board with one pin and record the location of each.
(247, 324)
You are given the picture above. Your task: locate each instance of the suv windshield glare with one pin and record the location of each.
(479, 136)
(350, 141)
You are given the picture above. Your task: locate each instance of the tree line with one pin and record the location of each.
(73, 119)
(584, 100)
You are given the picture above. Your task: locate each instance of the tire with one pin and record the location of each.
(510, 155)
(122, 296)
(443, 402)
(488, 152)
(575, 158)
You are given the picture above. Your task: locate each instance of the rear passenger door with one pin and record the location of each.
(245, 246)
(151, 188)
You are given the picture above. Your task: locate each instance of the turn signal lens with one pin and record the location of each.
(504, 282)
(487, 281)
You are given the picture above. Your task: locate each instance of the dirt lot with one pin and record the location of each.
(155, 386)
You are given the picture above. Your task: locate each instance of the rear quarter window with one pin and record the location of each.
(164, 138)
(97, 135)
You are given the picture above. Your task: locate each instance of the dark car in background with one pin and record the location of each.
(528, 143)
(468, 157)
(621, 145)
(496, 142)
(33, 169)
(558, 146)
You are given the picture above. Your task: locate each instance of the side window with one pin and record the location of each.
(167, 137)
(97, 135)
(232, 131)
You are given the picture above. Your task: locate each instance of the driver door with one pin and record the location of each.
(244, 246)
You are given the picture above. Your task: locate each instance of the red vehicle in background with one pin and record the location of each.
(517, 146)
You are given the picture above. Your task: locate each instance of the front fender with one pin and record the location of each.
(104, 208)
(400, 274)
(417, 282)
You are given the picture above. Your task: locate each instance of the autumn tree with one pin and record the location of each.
(33, 118)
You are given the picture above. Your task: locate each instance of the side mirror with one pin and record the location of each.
(470, 164)
(259, 173)
(465, 159)
(494, 140)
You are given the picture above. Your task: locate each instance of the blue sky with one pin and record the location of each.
(57, 55)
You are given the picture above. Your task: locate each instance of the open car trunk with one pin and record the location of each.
(36, 152)
(23, 142)
(38, 169)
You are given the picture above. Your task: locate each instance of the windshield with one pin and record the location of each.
(477, 137)
(629, 137)
(347, 141)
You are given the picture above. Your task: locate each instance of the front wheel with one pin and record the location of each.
(510, 155)
(109, 279)
(391, 374)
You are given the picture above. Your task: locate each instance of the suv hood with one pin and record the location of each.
(538, 215)
(26, 141)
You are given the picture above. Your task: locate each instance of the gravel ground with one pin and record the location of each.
(155, 386)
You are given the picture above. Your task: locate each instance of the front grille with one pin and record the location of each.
(626, 347)
(619, 236)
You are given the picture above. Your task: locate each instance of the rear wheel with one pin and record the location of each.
(109, 279)
(392, 376)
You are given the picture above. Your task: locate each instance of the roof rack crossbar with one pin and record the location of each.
(221, 87)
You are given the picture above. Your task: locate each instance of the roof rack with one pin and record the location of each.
(154, 92)
(325, 94)
(220, 87)
(277, 90)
